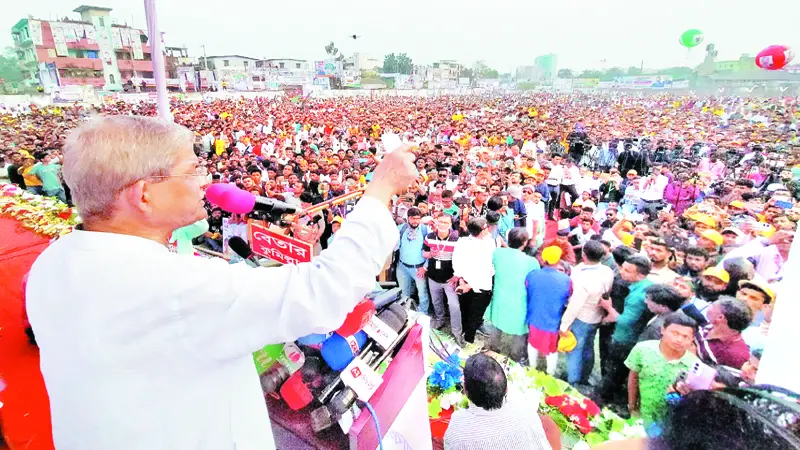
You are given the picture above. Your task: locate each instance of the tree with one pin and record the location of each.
(565, 73)
(590, 74)
(633, 71)
(482, 71)
(404, 64)
(10, 71)
(333, 52)
(389, 63)
(466, 72)
(611, 74)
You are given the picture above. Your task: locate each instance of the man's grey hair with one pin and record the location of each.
(110, 153)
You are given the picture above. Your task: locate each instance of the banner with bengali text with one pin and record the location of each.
(277, 247)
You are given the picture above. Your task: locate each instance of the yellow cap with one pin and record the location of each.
(737, 204)
(714, 236)
(705, 219)
(717, 272)
(551, 255)
(768, 231)
(337, 219)
(567, 343)
(763, 287)
(627, 239)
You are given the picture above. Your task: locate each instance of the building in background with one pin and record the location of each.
(180, 66)
(546, 68)
(227, 61)
(93, 50)
(361, 61)
(444, 74)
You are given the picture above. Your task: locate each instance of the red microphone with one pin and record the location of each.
(357, 318)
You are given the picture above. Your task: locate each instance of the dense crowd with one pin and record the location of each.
(660, 224)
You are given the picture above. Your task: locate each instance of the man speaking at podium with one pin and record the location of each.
(146, 349)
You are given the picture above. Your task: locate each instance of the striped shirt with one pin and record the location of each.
(515, 426)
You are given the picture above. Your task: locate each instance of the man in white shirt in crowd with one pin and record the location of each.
(651, 191)
(133, 337)
(572, 175)
(473, 271)
(496, 418)
(536, 212)
(554, 183)
(590, 281)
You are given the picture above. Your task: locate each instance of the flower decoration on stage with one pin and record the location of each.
(44, 215)
(578, 411)
(446, 374)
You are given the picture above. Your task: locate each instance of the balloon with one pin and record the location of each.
(691, 38)
(774, 57)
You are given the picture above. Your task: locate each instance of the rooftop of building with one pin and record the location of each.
(229, 56)
(84, 8)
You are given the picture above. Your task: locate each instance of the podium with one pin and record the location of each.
(402, 380)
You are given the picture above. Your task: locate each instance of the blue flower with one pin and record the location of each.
(446, 374)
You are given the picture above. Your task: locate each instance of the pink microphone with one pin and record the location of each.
(237, 201)
(215, 191)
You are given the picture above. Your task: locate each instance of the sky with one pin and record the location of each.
(504, 33)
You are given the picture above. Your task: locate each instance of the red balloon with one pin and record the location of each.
(774, 57)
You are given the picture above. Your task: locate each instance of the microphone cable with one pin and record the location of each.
(377, 423)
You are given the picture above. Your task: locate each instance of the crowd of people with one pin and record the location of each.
(653, 227)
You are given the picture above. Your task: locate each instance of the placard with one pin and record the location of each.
(231, 228)
(277, 247)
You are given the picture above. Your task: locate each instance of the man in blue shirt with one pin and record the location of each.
(411, 264)
(629, 324)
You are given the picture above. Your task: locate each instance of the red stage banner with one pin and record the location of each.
(277, 247)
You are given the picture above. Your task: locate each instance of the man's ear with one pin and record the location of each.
(136, 196)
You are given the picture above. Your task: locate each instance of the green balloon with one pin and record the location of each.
(691, 38)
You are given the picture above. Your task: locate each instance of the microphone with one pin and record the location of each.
(238, 201)
(215, 191)
(357, 318)
(297, 390)
(338, 351)
(243, 249)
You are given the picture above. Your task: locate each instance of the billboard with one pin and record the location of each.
(329, 68)
(645, 82)
(58, 39)
(35, 31)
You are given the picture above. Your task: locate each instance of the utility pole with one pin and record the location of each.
(205, 60)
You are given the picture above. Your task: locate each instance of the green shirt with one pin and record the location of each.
(656, 375)
(452, 211)
(626, 332)
(48, 173)
(509, 306)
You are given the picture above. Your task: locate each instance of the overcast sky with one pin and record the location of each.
(504, 33)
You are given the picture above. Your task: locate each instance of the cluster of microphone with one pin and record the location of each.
(308, 375)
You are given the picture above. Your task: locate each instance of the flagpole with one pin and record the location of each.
(157, 55)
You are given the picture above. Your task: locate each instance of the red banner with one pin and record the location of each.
(277, 247)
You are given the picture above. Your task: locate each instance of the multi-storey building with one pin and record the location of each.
(92, 50)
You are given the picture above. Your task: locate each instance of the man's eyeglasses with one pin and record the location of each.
(200, 171)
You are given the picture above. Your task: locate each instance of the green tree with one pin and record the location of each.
(466, 72)
(10, 69)
(482, 71)
(590, 74)
(404, 64)
(390, 63)
(565, 73)
(611, 74)
(633, 71)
